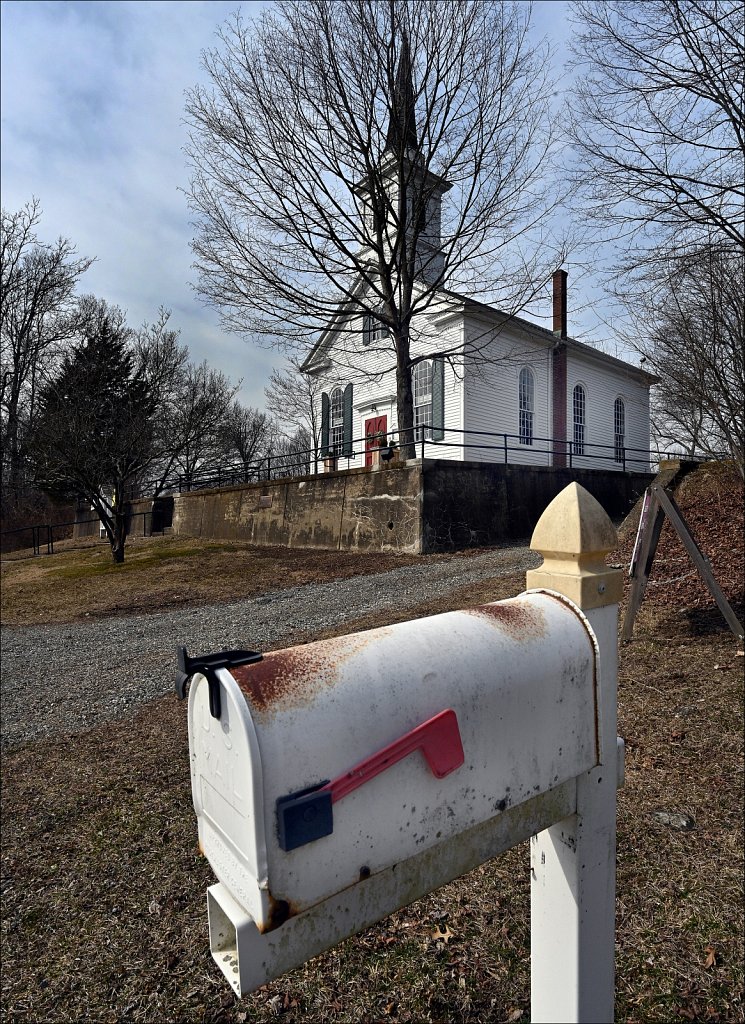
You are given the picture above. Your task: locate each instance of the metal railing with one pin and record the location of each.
(45, 535)
(474, 444)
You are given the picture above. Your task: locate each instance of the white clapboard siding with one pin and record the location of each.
(446, 337)
(491, 397)
(603, 383)
(482, 389)
(371, 370)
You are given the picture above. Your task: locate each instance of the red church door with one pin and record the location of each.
(375, 426)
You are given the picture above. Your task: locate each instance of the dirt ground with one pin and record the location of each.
(103, 895)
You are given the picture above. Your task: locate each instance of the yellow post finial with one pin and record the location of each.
(574, 534)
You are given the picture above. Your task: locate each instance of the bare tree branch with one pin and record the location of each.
(694, 317)
(36, 304)
(292, 397)
(246, 434)
(658, 123)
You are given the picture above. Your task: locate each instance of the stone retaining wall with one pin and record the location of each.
(355, 509)
(414, 507)
(144, 517)
(472, 504)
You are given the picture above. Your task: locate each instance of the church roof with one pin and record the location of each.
(463, 305)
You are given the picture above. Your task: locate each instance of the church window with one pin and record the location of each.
(526, 390)
(619, 429)
(374, 331)
(578, 417)
(422, 384)
(336, 425)
(337, 415)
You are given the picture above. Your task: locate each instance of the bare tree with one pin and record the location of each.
(695, 318)
(246, 434)
(322, 152)
(658, 123)
(293, 397)
(159, 355)
(192, 406)
(679, 422)
(163, 362)
(36, 301)
(195, 419)
(291, 454)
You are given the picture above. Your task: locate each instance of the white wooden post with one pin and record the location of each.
(573, 863)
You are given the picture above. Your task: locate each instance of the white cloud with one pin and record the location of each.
(93, 105)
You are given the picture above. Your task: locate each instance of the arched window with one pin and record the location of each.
(619, 430)
(578, 418)
(336, 423)
(526, 390)
(422, 385)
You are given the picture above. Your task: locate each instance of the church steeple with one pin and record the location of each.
(402, 134)
(412, 203)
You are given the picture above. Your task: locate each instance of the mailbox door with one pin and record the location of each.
(227, 790)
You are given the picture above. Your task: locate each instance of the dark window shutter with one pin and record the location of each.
(325, 417)
(438, 399)
(347, 450)
(366, 329)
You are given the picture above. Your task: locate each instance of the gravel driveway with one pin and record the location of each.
(65, 678)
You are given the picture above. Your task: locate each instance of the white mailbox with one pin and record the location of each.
(318, 768)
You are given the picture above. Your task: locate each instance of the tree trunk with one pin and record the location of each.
(119, 536)
(13, 455)
(404, 397)
(116, 529)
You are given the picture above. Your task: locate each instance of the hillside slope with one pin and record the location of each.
(711, 500)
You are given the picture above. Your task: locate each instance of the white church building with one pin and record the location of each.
(517, 393)
(487, 386)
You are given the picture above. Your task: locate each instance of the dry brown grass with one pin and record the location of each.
(81, 581)
(104, 914)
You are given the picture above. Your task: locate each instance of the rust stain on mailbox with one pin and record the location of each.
(520, 619)
(292, 677)
(279, 912)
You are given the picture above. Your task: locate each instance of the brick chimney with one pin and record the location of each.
(559, 369)
(559, 281)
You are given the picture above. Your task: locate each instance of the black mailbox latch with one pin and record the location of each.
(208, 665)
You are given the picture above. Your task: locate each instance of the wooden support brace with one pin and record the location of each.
(648, 547)
(661, 504)
(702, 565)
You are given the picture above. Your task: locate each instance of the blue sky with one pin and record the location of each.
(92, 125)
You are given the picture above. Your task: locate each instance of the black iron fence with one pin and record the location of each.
(468, 444)
(520, 449)
(30, 541)
(477, 445)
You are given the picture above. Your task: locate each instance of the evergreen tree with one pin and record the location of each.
(94, 433)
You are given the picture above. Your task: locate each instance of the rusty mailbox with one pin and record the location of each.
(336, 781)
